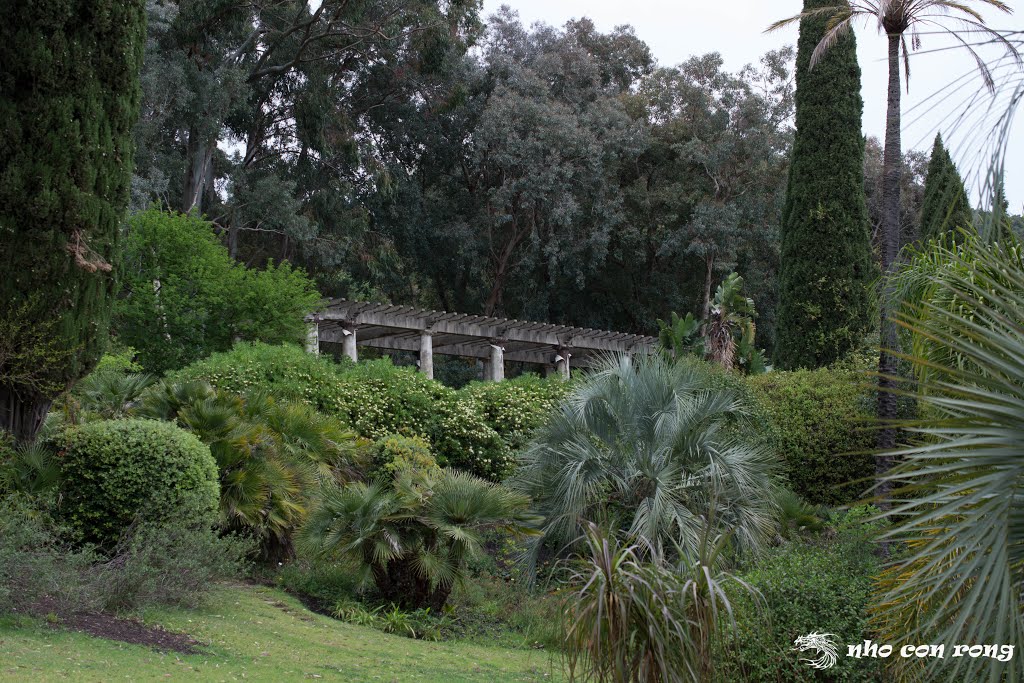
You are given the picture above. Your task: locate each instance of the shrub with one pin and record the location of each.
(37, 562)
(515, 408)
(41, 571)
(375, 399)
(822, 587)
(169, 564)
(818, 421)
(202, 299)
(114, 472)
(653, 447)
(413, 535)
(394, 453)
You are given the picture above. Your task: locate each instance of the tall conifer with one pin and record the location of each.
(69, 96)
(945, 207)
(826, 264)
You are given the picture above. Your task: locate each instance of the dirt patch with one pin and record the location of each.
(116, 628)
(131, 631)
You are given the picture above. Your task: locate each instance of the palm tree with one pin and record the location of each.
(272, 456)
(959, 493)
(899, 19)
(653, 449)
(412, 535)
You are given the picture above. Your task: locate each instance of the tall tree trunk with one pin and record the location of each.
(709, 264)
(22, 413)
(198, 171)
(892, 168)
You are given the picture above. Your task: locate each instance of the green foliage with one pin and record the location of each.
(822, 586)
(36, 560)
(726, 338)
(681, 336)
(69, 97)
(184, 297)
(375, 399)
(826, 267)
(516, 408)
(27, 468)
(654, 448)
(636, 621)
(152, 564)
(394, 453)
(412, 535)
(108, 393)
(960, 482)
(116, 472)
(946, 207)
(818, 422)
(272, 456)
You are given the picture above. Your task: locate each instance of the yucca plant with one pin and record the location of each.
(652, 448)
(959, 492)
(412, 535)
(640, 621)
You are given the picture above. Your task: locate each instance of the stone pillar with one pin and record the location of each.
(497, 363)
(348, 344)
(427, 354)
(313, 338)
(562, 363)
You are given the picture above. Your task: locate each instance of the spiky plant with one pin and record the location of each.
(959, 493)
(110, 394)
(412, 535)
(273, 456)
(645, 622)
(651, 447)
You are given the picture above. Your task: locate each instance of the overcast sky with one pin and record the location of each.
(678, 29)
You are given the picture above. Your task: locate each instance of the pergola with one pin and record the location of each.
(494, 340)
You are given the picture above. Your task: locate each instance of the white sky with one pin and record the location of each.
(678, 29)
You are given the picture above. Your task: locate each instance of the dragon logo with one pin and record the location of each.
(824, 647)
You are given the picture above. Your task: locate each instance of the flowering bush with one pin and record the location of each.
(375, 399)
(515, 408)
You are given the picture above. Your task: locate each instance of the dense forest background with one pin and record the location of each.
(416, 152)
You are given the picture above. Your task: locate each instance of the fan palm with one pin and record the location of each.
(652, 448)
(959, 494)
(899, 19)
(110, 394)
(272, 456)
(413, 534)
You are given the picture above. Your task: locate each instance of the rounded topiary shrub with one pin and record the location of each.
(115, 472)
(819, 422)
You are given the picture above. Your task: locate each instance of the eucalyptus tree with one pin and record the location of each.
(903, 22)
(707, 189)
(252, 110)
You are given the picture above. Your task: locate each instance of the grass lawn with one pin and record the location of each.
(258, 634)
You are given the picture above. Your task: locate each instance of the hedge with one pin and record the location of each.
(819, 422)
(117, 472)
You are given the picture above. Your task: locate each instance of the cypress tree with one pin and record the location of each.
(69, 96)
(826, 265)
(945, 207)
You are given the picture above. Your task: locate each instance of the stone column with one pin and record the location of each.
(427, 354)
(348, 343)
(562, 363)
(497, 363)
(313, 338)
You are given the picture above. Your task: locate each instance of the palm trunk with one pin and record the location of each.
(892, 168)
(22, 413)
(709, 264)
